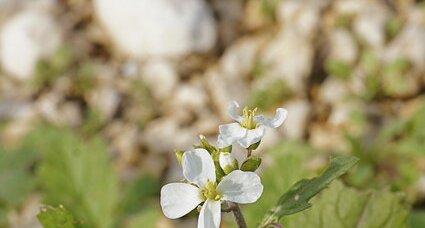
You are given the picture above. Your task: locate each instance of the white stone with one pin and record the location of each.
(146, 28)
(25, 38)
(16, 109)
(343, 46)
(290, 57)
(48, 107)
(223, 90)
(159, 135)
(161, 77)
(300, 16)
(190, 96)
(410, 44)
(165, 136)
(333, 91)
(370, 25)
(299, 112)
(71, 114)
(105, 99)
(350, 7)
(239, 59)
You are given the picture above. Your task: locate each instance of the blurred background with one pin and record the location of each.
(95, 97)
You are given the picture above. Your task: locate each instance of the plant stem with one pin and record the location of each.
(249, 153)
(237, 213)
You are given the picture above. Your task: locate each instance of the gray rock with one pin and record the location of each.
(157, 28)
(239, 59)
(165, 136)
(105, 99)
(370, 23)
(300, 16)
(343, 46)
(289, 57)
(299, 112)
(161, 77)
(23, 41)
(333, 91)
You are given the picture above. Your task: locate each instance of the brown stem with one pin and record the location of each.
(237, 213)
(249, 153)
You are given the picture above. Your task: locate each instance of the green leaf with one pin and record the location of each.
(78, 175)
(417, 219)
(138, 193)
(338, 68)
(15, 173)
(296, 199)
(340, 206)
(51, 217)
(147, 218)
(289, 166)
(251, 164)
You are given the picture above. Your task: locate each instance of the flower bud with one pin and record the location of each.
(251, 164)
(228, 162)
(206, 145)
(179, 156)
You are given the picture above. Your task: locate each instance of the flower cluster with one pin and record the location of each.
(213, 176)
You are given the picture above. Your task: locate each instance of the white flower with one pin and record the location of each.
(178, 199)
(249, 128)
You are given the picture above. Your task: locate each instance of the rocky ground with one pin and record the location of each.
(150, 76)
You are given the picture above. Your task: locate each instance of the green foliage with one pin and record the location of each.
(251, 164)
(48, 70)
(344, 21)
(337, 68)
(139, 193)
(51, 217)
(93, 121)
(394, 78)
(288, 168)
(391, 154)
(77, 174)
(84, 79)
(393, 27)
(340, 206)
(15, 173)
(147, 218)
(371, 65)
(417, 219)
(297, 198)
(270, 95)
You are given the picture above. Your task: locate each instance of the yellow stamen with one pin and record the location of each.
(210, 192)
(248, 118)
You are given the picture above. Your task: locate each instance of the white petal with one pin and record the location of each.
(241, 187)
(233, 111)
(230, 133)
(178, 199)
(274, 122)
(210, 215)
(198, 167)
(252, 136)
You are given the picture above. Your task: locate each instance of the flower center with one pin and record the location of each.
(248, 118)
(210, 192)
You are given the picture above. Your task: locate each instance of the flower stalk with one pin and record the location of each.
(237, 213)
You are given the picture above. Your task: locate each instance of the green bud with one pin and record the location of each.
(251, 164)
(206, 145)
(228, 162)
(179, 156)
(254, 146)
